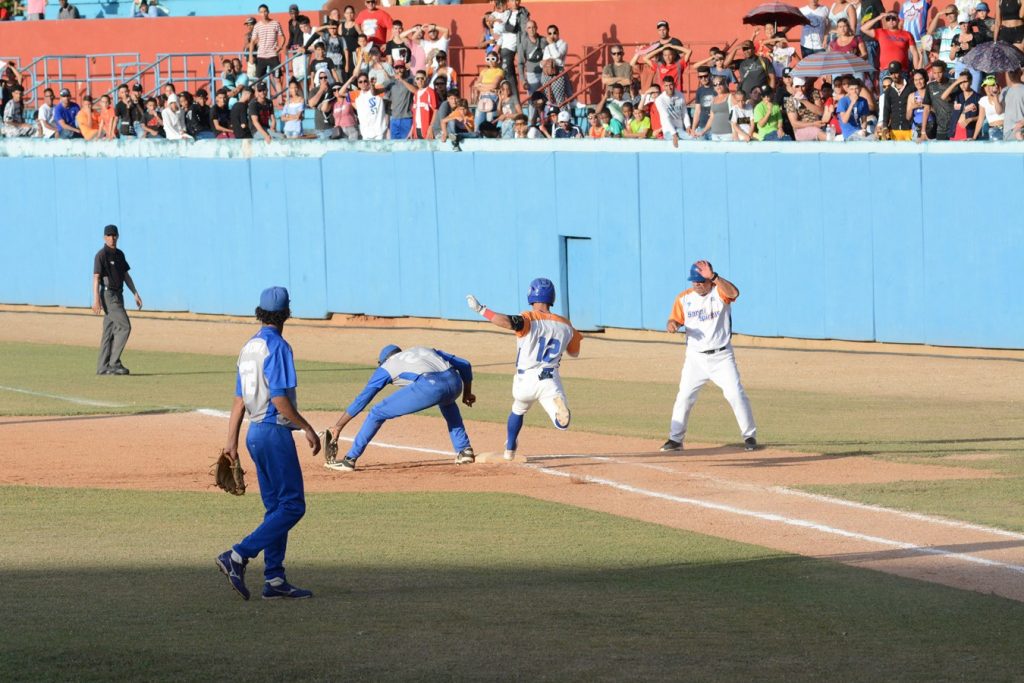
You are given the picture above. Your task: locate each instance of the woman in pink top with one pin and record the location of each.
(847, 42)
(345, 114)
(35, 9)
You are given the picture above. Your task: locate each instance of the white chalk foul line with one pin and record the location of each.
(791, 521)
(69, 399)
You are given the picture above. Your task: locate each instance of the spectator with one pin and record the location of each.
(400, 94)
(566, 128)
(10, 78)
(966, 110)
(261, 115)
(35, 9)
(983, 24)
(122, 123)
(941, 30)
(536, 113)
(613, 102)
(334, 52)
(671, 63)
(990, 121)
(1013, 106)
(444, 73)
(349, 32)
(672, 112)
(268, 39)
(521, 130)
(197, 116)
(915, 107)
(322, 101)
(782, 53)
(379, 71)
(152, 123)
(424, 106)
(718, 68)
(295, 37)
(616, 72)
(374, 23)
(229, 79)
(963, 41)
(785, 92)
(371, 112)
(508, 108)
(220, 116)
(594, 129)
(446, 105)
(866, 11)
(853, 111)
(894, 44)
(320, 68)
(914, 17)
(14, 125)
(131, 113)
(702, 101)
(108, 119)
(68, 11)
(458, 124)
(65, 114)
(741, 115)
(247, 53)
(241, 128)
(935, 102)
(665, 39)
(488, 39)
(513, 25)
(530, 55)
(433, 41)
(895, 121)
(767, 117)
(754, 71)
(174, 121)
(718, 127)
(613, 128)
(812, 34)
(145, 10)
(638, 124)
(552, 66)
(841, 9)
(47, 124)
(397, 49)
(805, 111)
(847, 42)
(292, 111)
(486, 87)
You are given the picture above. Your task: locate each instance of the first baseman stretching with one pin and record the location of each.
(543, 338)
(265, 389)
(705, 311)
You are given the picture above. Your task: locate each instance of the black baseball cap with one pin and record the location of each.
(787, 71)
(661, 24)
(895, 67)
(110, 231)
(261, 86)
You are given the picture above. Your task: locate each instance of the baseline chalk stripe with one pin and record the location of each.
(771, 517)
(69, 399)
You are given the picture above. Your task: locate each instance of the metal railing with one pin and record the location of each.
(74, 71)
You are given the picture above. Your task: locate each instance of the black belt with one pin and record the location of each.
(714, 350)
(546, 373)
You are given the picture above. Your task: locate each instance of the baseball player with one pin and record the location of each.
(265, 390)
(543, 338)
(705, 311)
(428, 377)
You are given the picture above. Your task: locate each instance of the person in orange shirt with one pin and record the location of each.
(88, 121)
(108, 119)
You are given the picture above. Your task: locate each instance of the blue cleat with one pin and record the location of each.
(284, 591)
(235, 571)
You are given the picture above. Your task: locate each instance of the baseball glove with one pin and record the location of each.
(228, 474)
(330, 442)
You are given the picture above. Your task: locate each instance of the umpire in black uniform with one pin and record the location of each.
(110, 275)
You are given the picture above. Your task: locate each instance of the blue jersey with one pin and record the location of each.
(405, 368)
(266, 369)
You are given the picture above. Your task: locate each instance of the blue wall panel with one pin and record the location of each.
(412, 233)
(847, 274)
(897, 248)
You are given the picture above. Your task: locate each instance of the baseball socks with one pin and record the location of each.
(515, 425)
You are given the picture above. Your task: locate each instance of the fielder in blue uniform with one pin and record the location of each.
(428, 377)
(265, 390)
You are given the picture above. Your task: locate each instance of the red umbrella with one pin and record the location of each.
(776, 13)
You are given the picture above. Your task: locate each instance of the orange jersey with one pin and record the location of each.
(543, 340)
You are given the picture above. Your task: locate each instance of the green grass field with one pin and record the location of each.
(928, 429)
(121, 585)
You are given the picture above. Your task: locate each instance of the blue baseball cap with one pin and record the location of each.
(387, 352)
(274, 299)
(695, 275)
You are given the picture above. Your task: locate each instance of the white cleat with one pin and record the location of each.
(562, 414)
(510, 454)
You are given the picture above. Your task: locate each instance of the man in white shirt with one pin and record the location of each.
(174, 121)
(373, 119)
(812, 35)
(704, 312)
(44, 116)
(675, 119)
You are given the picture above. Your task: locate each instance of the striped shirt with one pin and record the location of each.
(266, 34)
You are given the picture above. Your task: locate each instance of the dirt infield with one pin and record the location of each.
(717, 490)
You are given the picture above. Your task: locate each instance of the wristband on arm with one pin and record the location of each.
(487, 313)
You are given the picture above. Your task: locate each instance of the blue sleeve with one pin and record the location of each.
(238, 384)
(843, 105)
(461, 365)
(378, 380)
(279, 369)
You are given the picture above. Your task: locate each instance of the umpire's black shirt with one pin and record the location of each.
(111, 266)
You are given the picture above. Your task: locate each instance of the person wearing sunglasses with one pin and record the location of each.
(553, 64)
(424, 106)
(894, 44)
(530, 54)
(617, 71)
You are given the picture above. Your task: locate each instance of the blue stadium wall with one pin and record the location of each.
(858, 246)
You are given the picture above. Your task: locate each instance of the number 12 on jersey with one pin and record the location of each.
(547, 349)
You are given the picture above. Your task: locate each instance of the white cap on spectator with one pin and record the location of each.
(798, 81)
(564, 116)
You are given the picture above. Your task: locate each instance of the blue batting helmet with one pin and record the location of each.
(695, 275)
(542, 291)
(386, 353)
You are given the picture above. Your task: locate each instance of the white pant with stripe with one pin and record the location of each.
(720, 368)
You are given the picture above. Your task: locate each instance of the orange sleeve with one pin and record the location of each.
(527, 317)
(724, 298)
(574, 344)
(677, 310)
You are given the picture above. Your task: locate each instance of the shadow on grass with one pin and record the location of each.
(774, 618)
(108, 416)
(904, 553)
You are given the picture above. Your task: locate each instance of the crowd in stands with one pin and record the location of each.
(365, 75)
(35, 10)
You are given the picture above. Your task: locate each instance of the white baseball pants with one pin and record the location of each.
(721, 369)
(528, 389)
